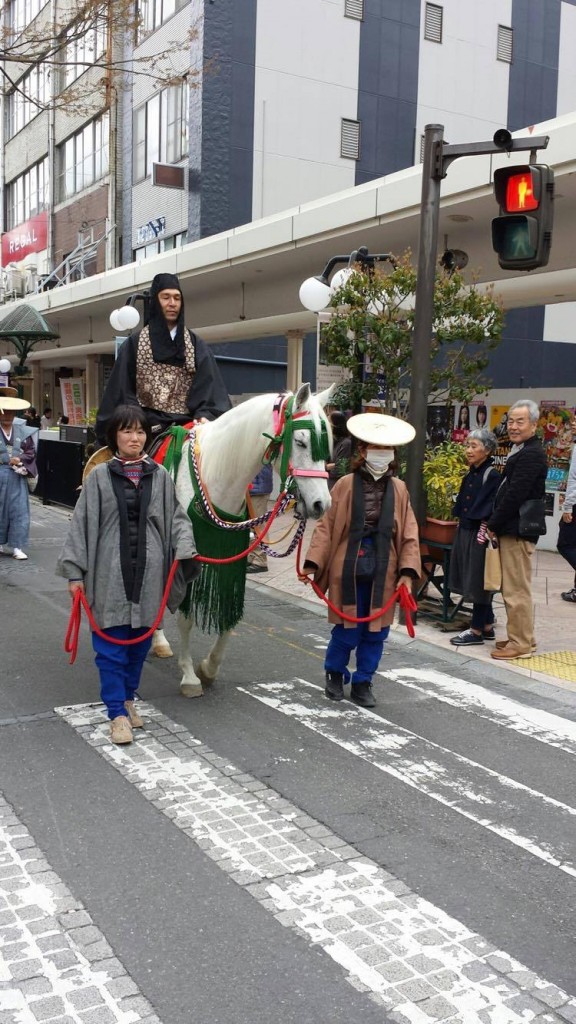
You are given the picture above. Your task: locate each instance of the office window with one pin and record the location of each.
(433, 23)
(31, 97)
(350, 139)
(82, 49)
(160, 130)
(27, 195)
(161, 245)
(152, 13)
(505, 40)
(20, 13)
(84, 157)
(354, 9)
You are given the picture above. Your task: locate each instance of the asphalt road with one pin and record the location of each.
(260, 854)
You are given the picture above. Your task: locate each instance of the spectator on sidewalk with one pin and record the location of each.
(17, 462)
(342, 449)
(126, 530)
(524, 478)
(260, 491)
(46, 420)
(362, 548)
(567, 530)
(472, 508)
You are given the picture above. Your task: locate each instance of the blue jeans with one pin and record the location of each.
(120, 667)
(369, 646)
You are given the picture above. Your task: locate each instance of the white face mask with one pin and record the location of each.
(378, 461)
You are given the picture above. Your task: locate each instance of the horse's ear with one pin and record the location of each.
(325, 397)
(302, 396)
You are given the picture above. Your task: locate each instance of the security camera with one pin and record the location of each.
(454, 259)
(503, 139)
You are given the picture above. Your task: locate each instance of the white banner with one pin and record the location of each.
(72, 391)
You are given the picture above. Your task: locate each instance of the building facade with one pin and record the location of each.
(133, 130)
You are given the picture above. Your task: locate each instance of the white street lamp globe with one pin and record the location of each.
(339, 279)
(314, 294)
(125, 318)
(5, 366)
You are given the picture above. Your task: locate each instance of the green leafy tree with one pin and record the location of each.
(372, 326)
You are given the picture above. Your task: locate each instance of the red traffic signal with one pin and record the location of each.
(522, 234)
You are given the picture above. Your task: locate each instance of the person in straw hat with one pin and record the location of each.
(365, 545)
(17, 461)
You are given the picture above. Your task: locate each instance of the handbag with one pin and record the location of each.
(532, 521)
(492, 567)
(32, 482)
(366, 561)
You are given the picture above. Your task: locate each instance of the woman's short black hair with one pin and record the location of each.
(338, 421)
(126, 416)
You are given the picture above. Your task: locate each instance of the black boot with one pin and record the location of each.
(361, 694)
(334, 685)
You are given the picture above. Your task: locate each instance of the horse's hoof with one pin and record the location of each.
(205, 679)
(191, 689)
(163, 651)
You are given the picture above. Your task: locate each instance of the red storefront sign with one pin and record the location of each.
(31, 236)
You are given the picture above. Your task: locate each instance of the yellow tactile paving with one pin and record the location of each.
(555, 663)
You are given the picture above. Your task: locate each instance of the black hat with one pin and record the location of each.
(162, 281)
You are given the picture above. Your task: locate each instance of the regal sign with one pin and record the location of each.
(31, 236)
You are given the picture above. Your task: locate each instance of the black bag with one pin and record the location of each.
(532, 521)
(366, 561)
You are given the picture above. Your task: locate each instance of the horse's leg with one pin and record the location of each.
(190, 685)
(160, 646)
(207, 670)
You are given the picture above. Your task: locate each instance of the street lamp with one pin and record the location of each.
(124, 319)
(5, 366)
(316, 292)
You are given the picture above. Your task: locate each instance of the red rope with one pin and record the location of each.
(79, 602)
(401, 594)
(259, 537)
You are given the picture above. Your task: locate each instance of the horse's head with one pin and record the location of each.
(310, 447)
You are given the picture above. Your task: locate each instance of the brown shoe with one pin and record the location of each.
(500, 644)
(135, 720)
(121, 730)
(508, 652)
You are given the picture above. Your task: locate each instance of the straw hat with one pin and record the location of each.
(375, 428)
(9, 401)
(100, 456)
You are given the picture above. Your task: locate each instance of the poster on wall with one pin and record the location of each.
(498, 424)
(438, 424)
(72, 391)
(461, 426)
(555, 431)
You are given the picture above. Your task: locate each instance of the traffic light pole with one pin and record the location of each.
(437, 157)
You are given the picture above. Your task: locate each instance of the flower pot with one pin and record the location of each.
(439, 530)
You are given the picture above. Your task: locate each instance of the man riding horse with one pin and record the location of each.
(164, 368)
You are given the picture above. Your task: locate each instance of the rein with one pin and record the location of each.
(401, 594)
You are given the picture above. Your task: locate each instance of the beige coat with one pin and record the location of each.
(330, 540)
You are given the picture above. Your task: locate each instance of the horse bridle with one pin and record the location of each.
(285, 422)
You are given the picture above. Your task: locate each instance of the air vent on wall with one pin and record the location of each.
(350, 139)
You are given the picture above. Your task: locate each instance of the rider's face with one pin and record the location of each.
(170, 301)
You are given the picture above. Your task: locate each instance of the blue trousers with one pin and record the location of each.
(567, 544)
(120, 667)
(369, 646)
(482, 616)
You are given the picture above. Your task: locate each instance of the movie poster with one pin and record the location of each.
(461, 427)
(438, 424)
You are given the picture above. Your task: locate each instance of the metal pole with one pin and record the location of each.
(424, 310)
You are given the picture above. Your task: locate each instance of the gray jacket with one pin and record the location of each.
(91, 551)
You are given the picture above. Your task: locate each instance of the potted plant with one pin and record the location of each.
(443, 470)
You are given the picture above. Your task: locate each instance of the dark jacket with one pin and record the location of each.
(475, 499)
(524, 477)
(207, 396)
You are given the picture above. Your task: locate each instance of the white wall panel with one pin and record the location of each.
(306, 82)
(560, 322)
(566, 63)
(461, 84)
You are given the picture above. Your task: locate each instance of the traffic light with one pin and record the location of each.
(522, 234)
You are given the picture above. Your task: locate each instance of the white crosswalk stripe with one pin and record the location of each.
(459, 693)
(499, 804)
(408, 955)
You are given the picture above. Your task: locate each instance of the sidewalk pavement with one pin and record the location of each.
(555, 620)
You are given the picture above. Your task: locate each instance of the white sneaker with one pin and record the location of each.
(19, 554)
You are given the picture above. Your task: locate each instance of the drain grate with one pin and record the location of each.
(561, 664)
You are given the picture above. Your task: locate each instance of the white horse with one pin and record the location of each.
(231, 452)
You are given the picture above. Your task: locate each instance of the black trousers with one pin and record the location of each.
(567, 543)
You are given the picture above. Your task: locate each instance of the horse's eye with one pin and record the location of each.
(300, 444)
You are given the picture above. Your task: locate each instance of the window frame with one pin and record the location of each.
(170, 126)
(84, 154)
(36, 180)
